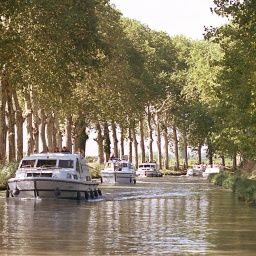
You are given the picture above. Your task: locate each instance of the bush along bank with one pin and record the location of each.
(6, 172)
(243, 187)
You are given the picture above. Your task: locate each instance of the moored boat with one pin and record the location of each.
(212, 169)
(150, 169)
(118, 171)
(196, 170)
(53, 175)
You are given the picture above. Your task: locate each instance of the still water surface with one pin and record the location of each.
(157, 216)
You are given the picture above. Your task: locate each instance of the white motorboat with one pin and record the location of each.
(148, 170)
(212, 169)
(53, 175)
(196, 170)
(118, 171)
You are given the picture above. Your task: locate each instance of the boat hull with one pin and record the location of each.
(52, 188)
(117, 177)
(144, 174)
(208, 171)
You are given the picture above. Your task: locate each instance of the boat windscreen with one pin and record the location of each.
(27, 163)
(144, 166)
(124, 165)
(46, 162)
(66, 163)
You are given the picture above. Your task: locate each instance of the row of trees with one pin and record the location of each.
(69, 66)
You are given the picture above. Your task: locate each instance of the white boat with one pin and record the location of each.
(212, 169)
(148, 170)
(118, 171)
(196, 170)
(53, 175)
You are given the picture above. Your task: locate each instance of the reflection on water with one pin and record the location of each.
(157, 216)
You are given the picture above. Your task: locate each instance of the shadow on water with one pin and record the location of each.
(157, 216)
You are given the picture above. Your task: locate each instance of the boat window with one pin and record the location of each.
(46, 162)
(66, 163)
(124, 165)
(27, 163)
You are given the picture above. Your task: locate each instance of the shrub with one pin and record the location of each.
(245, 189)
(6, 172)
(95, 170)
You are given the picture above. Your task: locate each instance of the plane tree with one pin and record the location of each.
(237, 77)
(202, 98)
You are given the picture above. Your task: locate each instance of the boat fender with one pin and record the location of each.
(16, 191)
(78, 195)
(134, 181)
(7, 193)
(99, 192)
(91, 194)
(95, 192)
(57, 192)
(101, 180)
(86, 195)
(130, 180)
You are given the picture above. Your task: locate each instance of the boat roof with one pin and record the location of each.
(67, 156)
(118, 160)
(148, 163)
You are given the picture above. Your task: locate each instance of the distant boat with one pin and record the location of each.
(53, 175)
(196, 170)
(212, 169)
(118, 171)
(148, 170)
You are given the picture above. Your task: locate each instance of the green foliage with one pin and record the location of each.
(6, 172)
(95, 170)
(236, 79)
(244, 188)
(222, 179)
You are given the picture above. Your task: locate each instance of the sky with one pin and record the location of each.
(175, 17)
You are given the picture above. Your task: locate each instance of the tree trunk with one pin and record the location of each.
(159, 150)
(50, 132)
(166, 148)
(68, 129)
(115, 140)
(142, 139)
(29, 126)
(19, 126)
(130, 139)
(176, 149)
(58, 133)
(234, 163)
(3, 127)
(107, 144)
(150, 136)
(223, 161)
(135, 145)
(36, 123)
(122, 142)
(99, 140)
(210, 155)
(199, 154)
(185, 154)
(11, 125)
(42, 130)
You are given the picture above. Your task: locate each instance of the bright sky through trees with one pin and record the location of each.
(186, 17)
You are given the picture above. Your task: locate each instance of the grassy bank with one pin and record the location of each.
(243, 187)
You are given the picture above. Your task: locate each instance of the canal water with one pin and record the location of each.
(157, 216)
